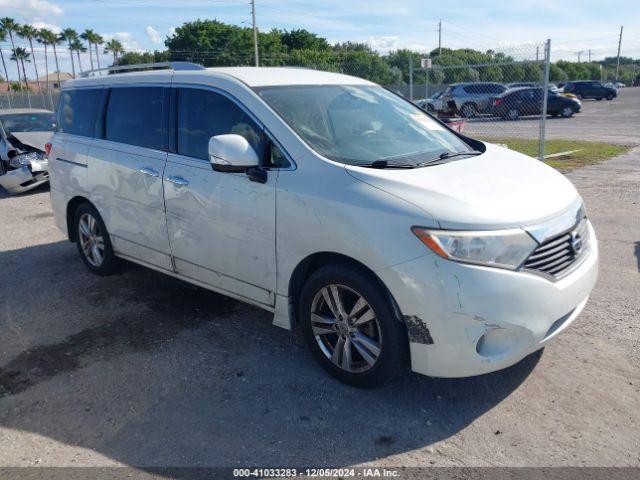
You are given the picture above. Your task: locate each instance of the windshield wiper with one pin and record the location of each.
(384, 164)
(448, 155)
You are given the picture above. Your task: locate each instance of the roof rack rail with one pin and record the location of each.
(143, 66)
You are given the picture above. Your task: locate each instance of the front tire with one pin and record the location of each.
(469, 110)
(93, 242)
(609, 96)
(567, 112)
(350, 328)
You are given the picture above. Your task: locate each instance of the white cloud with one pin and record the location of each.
(126, 38)
(48, 26)
(153, 34)
(30, 10)
(384, 44)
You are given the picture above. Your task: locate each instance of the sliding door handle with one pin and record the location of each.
(179, 181)
(149, 171)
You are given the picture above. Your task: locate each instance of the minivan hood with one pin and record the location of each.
(499, 189)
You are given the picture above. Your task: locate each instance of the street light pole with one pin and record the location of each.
(618, 60)
(255, 32)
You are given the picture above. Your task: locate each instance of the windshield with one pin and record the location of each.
(28, 122)
(361, 124)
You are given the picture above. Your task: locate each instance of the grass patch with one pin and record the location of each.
(590, 152)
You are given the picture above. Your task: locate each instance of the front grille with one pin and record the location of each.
(555, 255)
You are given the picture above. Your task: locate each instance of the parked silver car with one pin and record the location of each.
(470, 99)
(24, 132)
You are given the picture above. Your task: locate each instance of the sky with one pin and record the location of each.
(512, 26)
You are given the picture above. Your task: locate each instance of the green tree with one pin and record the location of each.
(69, 35)
(77, 47)
(114, 47)
(31, 33)
(10, 26)
(88, 35)
(21, 55)
(3, 37)
(302, 39)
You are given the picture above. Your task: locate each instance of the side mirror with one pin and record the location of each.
(232, 153)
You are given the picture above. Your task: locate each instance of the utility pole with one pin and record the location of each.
(440, 37)
(579, 53)
(589, 51)
(537, 53)
(255, 31)
(619, 44)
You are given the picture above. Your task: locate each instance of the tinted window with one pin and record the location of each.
(496, 88)
(77, 111)
(134, 116)
(203, 114)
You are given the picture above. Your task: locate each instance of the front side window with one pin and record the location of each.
(77, 111)
(203, 114)
(134, 116)
(361, 124)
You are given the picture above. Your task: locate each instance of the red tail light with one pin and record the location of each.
(47, 148)
(497, 102)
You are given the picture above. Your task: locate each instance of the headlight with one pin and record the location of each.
(498, 248)
(24, 159)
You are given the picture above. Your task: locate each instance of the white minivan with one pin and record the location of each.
(340, 207)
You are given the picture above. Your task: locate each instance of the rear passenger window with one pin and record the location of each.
(134, 116)
(203, 114)
(77, 111)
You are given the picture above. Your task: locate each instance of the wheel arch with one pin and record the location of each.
(72, 206)
(315, 261)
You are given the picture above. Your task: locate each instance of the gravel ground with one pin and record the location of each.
(142, 370)
(616, 121)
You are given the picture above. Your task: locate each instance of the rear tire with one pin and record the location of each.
(609, 96)
(93, 242)
(512, 114)
(579, 96)
(363, 343)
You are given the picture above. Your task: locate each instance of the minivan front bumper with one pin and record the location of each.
(466, 320)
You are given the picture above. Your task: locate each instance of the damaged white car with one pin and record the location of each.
(23, 136)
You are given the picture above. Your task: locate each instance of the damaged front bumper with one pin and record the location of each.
(24, 178)
(466, 320)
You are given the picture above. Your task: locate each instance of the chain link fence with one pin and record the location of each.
(28, 99)
(501, 97)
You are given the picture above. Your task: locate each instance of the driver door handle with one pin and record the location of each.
(149, 171)
(176, 180)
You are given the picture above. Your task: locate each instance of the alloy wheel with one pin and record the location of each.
(567, 112)
(91, 239)
(346, 328)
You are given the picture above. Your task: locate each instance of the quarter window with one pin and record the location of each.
(203, 114)
(77, 111)
(134, 116)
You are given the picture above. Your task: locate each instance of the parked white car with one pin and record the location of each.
(24, 132)
(340, 207)
(433, 103)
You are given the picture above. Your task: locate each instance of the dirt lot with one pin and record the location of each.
(617, 121)
(143, 370)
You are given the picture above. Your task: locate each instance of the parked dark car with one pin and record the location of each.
(518, 102)
(590, 89)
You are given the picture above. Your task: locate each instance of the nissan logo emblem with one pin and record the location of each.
(576, 243)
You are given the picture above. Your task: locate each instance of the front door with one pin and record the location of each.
(221, 225)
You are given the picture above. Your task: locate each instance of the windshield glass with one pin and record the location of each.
(361, 124)
(28, 122)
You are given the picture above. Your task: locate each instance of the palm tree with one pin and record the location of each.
(9, 25)
(88, 35)
(21, 55)
(46, 37)
(78, 47)
(115, 47)
(97, 40)
(69, 35)
(31, 33)
(3, 37)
